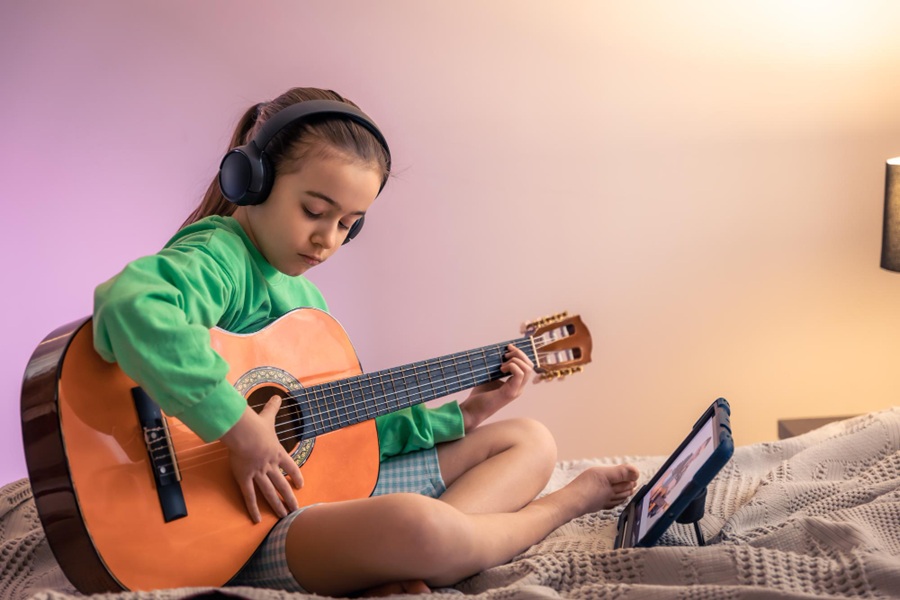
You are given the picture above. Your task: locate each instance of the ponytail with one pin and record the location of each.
(292, 144)
(214, 203)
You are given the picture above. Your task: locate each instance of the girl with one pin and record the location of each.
(238, 263)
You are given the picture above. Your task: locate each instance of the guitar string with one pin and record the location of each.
(325, 418)
(190, 461)
(328, 421)
(330, 413)
(325, 397)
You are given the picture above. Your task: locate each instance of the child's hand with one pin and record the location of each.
(488, 398)
(257, 459)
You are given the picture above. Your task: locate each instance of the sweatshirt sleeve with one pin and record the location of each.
(418, 427)
(154, 318)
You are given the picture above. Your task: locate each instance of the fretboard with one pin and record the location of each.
(337, 404)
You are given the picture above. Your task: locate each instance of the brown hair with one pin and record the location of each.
(292, 144)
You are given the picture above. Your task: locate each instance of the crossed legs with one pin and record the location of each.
(487, 515)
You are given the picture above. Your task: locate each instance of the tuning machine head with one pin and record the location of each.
(531, 326)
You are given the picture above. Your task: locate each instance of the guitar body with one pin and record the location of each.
(93, 481)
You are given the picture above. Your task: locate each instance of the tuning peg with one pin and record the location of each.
(543, 321)
(560, 373)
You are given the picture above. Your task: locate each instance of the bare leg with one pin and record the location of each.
(350, 546)
(498, 467)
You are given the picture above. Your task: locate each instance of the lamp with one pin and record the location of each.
(890, 241)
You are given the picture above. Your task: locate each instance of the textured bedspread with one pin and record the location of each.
(813, 516)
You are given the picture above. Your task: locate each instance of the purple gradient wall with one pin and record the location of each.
(702, 181)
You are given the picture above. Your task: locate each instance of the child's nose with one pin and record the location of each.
(326, 236)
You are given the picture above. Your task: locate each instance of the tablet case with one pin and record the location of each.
(695, 489)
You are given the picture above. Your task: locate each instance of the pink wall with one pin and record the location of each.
(702, 181)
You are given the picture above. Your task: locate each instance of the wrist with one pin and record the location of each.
(236, 437)
(471, 416)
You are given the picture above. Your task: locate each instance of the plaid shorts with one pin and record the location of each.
(417, 472)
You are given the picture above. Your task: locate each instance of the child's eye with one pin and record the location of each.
(311, 214)
(342, 226)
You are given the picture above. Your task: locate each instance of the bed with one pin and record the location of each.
(814, 516)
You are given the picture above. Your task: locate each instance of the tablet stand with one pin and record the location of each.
(693, 512)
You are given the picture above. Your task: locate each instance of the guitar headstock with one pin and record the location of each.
(562, 345)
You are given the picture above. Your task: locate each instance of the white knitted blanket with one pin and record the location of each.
(816, 516)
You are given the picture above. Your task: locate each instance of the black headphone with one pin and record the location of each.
(246, 174)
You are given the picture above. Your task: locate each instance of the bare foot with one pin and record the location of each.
(611, 485)
(596, 488)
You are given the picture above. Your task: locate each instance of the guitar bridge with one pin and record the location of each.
(161, 455)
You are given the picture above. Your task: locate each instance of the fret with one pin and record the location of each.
(349, 398)
(454, 364)
(369, 392)
(332, 398)
(444, 376)
(391, 386)
(423, 378)
(317, 413)
(450, 374)
(440, 384)
(375, 394)
(345, 401)
(359, 398)
(484, 361)
(471, 369)
(489, 363)
(328, 404)
(335, 404)
(413, 385)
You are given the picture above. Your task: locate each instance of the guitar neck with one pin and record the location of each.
(345, 402)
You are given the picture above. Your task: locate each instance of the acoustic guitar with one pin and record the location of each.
(130, 499)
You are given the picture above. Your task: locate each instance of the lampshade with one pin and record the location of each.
(890, 241)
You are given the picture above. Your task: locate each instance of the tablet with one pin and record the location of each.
(680, 484)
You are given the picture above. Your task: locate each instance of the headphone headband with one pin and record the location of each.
(246, 173)
(303, 111)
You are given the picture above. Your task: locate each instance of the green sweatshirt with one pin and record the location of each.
(154, 318)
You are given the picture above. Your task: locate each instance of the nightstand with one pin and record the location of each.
(790, 427)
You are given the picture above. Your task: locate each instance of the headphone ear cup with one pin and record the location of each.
(244, 176)
(355, 229)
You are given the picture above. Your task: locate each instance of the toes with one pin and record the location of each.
(623, 474)
(630, 473)
(616, 499)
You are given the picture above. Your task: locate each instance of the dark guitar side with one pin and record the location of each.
(48, 469)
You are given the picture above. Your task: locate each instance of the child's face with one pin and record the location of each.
(309, 212)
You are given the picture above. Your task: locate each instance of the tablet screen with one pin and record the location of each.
(682, 470)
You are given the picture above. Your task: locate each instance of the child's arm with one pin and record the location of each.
(154, 320)
(487, 399)
(419, 427)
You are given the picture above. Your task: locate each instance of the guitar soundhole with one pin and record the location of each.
(258, 386)
(288, 421)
